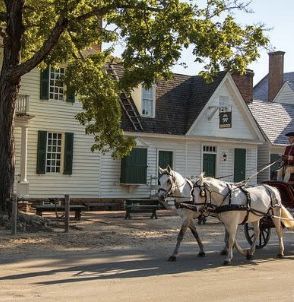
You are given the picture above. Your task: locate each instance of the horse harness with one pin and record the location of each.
(180, 204)
(211, 208)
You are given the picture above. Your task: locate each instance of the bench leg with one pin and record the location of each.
(39, 212)
(128, 215)
(154, 215)
(78, 214)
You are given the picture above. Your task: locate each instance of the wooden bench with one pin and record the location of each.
(107, 205)
(143, 205)
(60, 208)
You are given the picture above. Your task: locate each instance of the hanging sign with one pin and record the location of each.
(225, 119)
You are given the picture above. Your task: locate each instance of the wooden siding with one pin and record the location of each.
(242, 127)
(285, 95)
(98, 176)
(58, 116)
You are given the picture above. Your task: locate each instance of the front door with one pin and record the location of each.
(209, 163)
(165, 158)
(239, 165)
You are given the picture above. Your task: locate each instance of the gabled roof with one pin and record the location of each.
(178, 104)
(291, 84)
(260, 91)
(275, 119)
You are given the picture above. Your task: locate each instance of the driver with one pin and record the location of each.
(288, 160)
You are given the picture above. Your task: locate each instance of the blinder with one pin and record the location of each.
(202, 193)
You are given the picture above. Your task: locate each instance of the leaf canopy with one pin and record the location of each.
(152, 34)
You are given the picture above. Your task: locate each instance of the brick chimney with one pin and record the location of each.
(245, 84)
(275, 74)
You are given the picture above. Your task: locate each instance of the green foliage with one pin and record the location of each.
(153, 34)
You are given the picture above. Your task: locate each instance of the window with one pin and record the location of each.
(134, 167)
(147, 101)
(56, 84)
(55, 152)
(53, 158)
(224, 103)
(52, 87)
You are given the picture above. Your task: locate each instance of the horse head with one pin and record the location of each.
(167, 182)
(200, 192)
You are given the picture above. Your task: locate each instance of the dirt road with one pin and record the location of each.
(106, 258)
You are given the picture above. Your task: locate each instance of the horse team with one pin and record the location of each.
(231, 203)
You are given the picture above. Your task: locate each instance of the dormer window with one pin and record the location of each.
(148, 98)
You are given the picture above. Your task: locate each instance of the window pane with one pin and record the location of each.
(56, 85)
(53, 162)
(147, 102)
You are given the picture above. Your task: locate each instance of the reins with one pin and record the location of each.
(264, 167)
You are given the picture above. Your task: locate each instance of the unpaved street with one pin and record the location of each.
(106, 258)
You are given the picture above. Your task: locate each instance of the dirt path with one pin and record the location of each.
(106, 258)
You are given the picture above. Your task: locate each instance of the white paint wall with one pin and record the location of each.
(58, 116)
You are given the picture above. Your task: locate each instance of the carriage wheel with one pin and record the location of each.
(265, 233)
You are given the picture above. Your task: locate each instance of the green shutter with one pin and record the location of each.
(165, 158)
(70, 96)
(44, 84)
(41, 152)
(134, 167)
(68, 153)
(275, 167)
(240, 165)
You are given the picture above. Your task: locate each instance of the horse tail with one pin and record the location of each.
(288, 222)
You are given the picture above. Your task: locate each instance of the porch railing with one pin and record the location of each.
(22, 104)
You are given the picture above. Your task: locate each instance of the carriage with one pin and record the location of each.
(260, 208)
(266, 224)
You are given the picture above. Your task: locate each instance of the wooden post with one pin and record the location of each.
(13, 200)
(66, 213)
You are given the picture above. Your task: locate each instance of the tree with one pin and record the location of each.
(38, 33)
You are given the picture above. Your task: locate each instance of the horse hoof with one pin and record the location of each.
(224, 253)
(201, 254)
(227, 262)
(280, 256)
(249, 257)
(172, 258)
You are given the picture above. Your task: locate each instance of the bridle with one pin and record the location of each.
(203, 192)
(173, 185)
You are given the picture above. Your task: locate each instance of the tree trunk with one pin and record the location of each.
(8, 94)
(9, 87)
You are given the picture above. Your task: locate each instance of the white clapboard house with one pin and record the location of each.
(189, 124)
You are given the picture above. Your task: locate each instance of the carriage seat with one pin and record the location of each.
(274, 177)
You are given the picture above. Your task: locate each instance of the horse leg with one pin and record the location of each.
(224, 251)
(195, 234)
(180, 237)
(231, 228)
(279, 230)
(251, 251)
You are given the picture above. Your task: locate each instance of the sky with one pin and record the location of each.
(276, 15)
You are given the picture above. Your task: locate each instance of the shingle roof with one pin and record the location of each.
(178, 103)
(275, 119)
(260, 91)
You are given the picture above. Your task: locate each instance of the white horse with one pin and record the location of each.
(235, 206)
(175, 185)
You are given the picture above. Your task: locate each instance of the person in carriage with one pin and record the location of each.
(284, 173)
